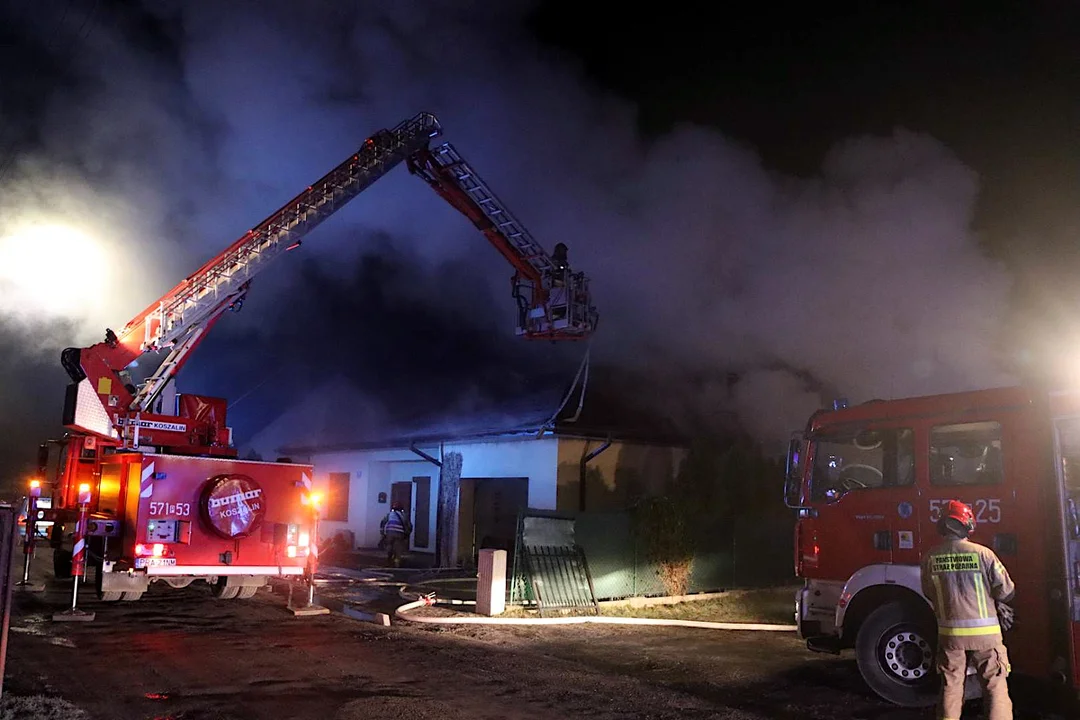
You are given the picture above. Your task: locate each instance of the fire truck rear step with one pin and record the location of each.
(123, 582)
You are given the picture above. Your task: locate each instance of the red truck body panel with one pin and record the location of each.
(212, 516)
(1021, 507)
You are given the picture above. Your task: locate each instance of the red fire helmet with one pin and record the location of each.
(962, 513)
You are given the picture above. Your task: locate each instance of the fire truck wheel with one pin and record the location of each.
(130, 596)
(895, 653)
(222, 592)
(61, 564)
(110, 596)
(247, 592)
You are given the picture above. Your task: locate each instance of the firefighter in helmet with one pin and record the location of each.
(395, 529)
(969, 587)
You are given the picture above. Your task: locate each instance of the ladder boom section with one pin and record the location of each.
(220, 279)
(179, 319)
(460, 185)
(554, 302)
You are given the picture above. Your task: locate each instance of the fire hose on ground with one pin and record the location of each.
(404, 612)
(417, 599)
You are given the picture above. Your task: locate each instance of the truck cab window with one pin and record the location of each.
(966, 454)
(861, 460)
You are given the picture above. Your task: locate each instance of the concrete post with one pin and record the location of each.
(491, 585)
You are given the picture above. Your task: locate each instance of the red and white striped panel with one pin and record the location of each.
(78, 550)
(146, 487)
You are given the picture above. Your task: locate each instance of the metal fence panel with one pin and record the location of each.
(619, 568)
(754, 552)
(742, 553)
(550, 567)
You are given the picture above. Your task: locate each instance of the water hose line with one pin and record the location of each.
(418, 600)
(404, 612)
(582, 378)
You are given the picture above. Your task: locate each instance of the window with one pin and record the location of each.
(337, 500)
(861, 460)
(966, 454)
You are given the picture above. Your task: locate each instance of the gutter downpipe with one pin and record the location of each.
(421, 453)
(586, 458)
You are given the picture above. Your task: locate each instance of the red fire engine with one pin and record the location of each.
(169, 498)
(869, 483)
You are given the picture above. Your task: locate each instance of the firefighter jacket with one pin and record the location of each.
(395, 523)
(963, 580)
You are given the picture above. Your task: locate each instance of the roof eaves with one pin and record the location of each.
(405, 441)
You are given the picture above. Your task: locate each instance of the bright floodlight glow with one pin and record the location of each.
(55, 269)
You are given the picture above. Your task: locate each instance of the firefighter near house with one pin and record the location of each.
(871, 484)
(169, 498)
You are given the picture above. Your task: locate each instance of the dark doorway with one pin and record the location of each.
(422, 521)
(496, 504)
(401, 493)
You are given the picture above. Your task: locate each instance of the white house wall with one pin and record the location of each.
(357, 465)
(373, 472)
(535, 459)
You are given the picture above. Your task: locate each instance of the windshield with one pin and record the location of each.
(861, 460)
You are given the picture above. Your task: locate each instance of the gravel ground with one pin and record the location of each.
(180, 655)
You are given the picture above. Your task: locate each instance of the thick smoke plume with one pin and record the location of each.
(187, 122)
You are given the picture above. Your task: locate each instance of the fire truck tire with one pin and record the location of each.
(110, 596)
(895, 653)
(221, 591)
(247, 592)
(61, 564)
(130, 596)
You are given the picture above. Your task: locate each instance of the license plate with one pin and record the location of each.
(154, 562)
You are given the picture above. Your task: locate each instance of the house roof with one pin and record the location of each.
(612, 407)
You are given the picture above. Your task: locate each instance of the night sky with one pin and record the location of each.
(996, 82)
(873, 203)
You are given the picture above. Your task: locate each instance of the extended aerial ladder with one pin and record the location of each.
(103, 402)
(554, 302)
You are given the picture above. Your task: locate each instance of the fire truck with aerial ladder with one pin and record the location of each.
(869, 483)
(166, 495)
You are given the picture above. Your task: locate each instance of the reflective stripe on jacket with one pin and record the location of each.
(394, 524)
(963, 579)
